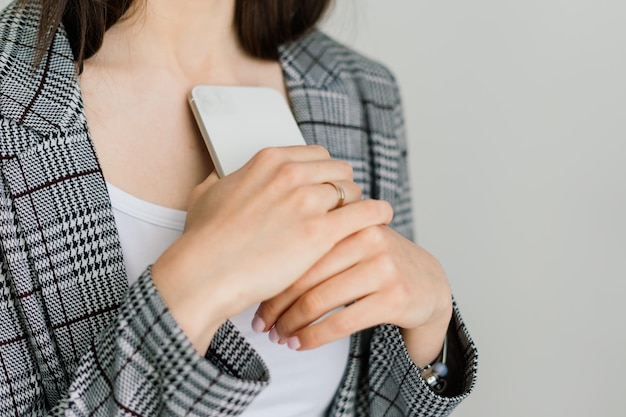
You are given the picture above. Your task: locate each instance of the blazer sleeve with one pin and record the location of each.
(141, 365)
(131, 357)
(145, 365)
(396, 387)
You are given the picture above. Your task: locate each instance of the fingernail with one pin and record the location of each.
(274, 337)
(258, 325)
(293, 343)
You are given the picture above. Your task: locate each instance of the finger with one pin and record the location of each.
(313, 172)
(299, 153)
(363, 314)
(315, 199)
(349, 219)
(306, 152)
(349, 190)
(335, 226)
(340, 190)
(353, 284)
(287, 160)
(344, 255)
(323, 197)
(201, 188)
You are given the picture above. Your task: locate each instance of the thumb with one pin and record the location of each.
(197, 193)
(200, 189)
(209, 181)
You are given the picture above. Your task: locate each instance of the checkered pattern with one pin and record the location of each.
(75, 340)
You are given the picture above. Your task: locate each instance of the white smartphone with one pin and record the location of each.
(237, 122)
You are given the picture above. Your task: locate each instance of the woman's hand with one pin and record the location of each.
(251, 234)
(380, 277)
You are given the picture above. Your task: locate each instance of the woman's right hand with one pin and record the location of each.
(251, 234)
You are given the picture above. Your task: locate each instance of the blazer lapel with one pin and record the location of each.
(333, 111)
(324, 104)
(65, 257)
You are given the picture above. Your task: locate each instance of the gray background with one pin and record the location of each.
(517, 159)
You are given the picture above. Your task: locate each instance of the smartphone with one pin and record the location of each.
(237, 122)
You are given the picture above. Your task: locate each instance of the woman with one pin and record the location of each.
(104, 173)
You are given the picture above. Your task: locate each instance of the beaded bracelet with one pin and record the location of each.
(434, 373)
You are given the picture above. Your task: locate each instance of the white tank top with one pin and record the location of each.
(302, 383)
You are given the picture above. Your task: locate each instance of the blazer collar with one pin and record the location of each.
(311, 62)
(45, 98)
(320, 99)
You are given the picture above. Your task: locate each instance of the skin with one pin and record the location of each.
(267, 233)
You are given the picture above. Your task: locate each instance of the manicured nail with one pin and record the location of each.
(258, 325)
(293, 343)
(274, 337)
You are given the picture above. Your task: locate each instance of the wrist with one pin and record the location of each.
(425, 343)
(434, 374)
(198, 310)
(423, 346)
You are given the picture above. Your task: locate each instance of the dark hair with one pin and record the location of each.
(262, 25)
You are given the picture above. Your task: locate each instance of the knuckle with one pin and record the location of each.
(322, 151)
(346, 169)
(374, 236)
(310, 304)
(358, 193)
(379, 211)
(297, 288)
(372, 209)
(386, 211)
(386, 267)
(289, 174)
(267, 156)
(269, 310)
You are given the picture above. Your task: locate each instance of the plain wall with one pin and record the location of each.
(516, 111)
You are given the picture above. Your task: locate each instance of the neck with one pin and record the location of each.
(190, 36)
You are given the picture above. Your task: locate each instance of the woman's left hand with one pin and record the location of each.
(380, 277)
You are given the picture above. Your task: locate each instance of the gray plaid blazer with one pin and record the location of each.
(76, 340)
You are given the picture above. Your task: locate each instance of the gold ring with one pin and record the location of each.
(341, 194)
